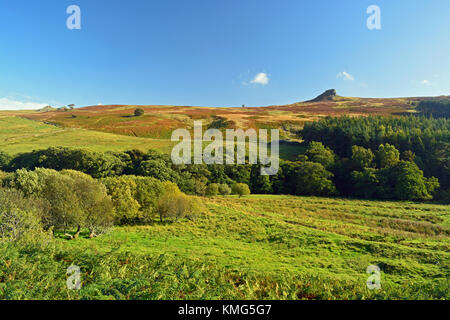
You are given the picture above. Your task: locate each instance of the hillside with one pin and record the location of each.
(160, 121)
(115, 128)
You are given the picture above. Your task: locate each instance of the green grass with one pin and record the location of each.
(257, 247)
(19, 135)
(22, 135)
(15, 128)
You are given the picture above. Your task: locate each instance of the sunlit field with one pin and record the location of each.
(255, 247)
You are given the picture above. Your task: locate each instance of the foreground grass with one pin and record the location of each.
(19, 135)
(258, 247)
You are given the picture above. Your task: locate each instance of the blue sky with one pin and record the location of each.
(219, 52)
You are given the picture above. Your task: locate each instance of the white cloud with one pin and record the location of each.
(261, 78)
(7, 104)
(346, 76)
(426, 82)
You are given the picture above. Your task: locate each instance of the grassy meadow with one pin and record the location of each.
(114, 128)
(19, 135)
(23, 135)
(255, 247)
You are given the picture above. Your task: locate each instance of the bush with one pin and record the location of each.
(212, 190)
(96, 164)
(313, 179)
(122, 191)
(74, 199)
(157, 168)
(96, 206)
(20, 218)
(317, 152)
(5, 159)
(135, 198)
(410, 183)
(240, 189)
(148, 192)
(58, 190)
(139, 112)
(224, 189)
(387, 156)
(200, 187)
(362, 157)
(175, 204)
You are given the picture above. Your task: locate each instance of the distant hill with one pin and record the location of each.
(52, 109)
(328, 95)
(47, 109)
(159, 121)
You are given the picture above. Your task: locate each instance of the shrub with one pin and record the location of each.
(122, 191)
(387, 156)
(411, 184)
(58, 190)
(224, 189)
(317, 152)
(96, 164)
(200, 187)
(139, 112)
(4, 160)
(212, 190)
(96, 206)
(362, 157)
(74, 199)
(175, 204)
(148, 192)
(179, 206)
(20, 218)
(313, 179)
(166, 206)
(240, 189)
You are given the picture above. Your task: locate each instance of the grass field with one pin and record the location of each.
(19, 135)
(23, 135)
(159, 121)
(257, 247)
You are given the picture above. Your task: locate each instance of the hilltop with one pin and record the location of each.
(326, 96)
(258, 247)
(159, 121)
(115, 127)
(47, 109)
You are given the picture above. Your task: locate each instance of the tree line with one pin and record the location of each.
(436, 108)
(422, 141)
(34, 204)
(44, 201)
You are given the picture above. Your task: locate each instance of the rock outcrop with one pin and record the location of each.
(326, 96)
